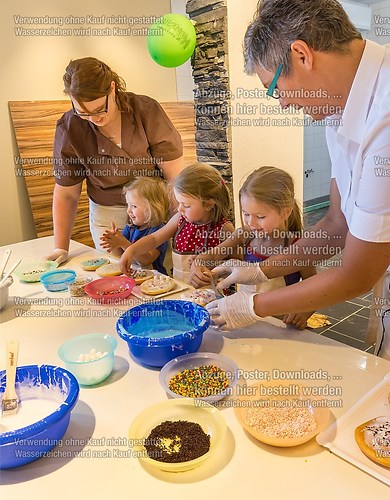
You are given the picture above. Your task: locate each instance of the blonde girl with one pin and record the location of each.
(271, 222)
(147, 209)
(201, 222)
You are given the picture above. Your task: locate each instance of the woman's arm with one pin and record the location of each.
(65, 202)
(172, 168)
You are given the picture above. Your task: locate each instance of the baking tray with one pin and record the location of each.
(339, 437)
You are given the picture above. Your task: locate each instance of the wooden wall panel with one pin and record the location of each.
(34, 125)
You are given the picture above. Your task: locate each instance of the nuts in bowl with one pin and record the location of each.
(279, 414)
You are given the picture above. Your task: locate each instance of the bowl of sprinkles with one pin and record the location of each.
(202, 375)
(279, 414)
(177, 435)
(109, 290)
(31, 272)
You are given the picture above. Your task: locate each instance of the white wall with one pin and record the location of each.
(257, 145)
(316, 156)
(32, 69)
(380, 24)
(184, 82)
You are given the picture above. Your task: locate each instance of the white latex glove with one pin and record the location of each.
(234, 311)
(59, 255)
(239, 271)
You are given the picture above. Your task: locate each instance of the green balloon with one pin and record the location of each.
(171, 40)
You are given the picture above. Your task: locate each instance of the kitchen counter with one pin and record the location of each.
(94, 459)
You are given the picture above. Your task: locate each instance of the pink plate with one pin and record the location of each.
(112, 289)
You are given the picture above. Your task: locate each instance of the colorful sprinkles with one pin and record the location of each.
(200, 382)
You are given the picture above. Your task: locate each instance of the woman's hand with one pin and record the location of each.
(59, 255)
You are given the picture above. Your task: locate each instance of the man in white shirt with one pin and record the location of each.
(310, 45)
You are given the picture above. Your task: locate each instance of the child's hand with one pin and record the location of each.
(297, 320)
(126, 260)
(200, 276)
(112, 239)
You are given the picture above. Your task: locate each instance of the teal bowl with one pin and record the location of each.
(77, 355)
(58, 280)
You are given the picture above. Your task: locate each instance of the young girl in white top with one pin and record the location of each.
(271, 222)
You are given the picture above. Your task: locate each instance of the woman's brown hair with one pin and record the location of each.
(88, 79)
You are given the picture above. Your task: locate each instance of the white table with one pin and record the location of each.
(244, 468)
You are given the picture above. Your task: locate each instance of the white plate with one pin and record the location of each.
(340, 436)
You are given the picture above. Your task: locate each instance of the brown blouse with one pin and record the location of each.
(82, 152)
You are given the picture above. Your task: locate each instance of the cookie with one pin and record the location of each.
(202, 296)
(158, 284)
(373, 439)
(93, 264)
(141, 275)
(109, 270)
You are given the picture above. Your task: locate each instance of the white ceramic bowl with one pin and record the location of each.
(197, 360)
(200, 412)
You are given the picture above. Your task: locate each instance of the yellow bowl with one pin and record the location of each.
(200, 412)
(285, 403)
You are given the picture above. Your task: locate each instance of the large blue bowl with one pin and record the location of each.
(157, 332)
(29, 443)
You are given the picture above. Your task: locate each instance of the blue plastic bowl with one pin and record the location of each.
(157, 332)
(57, 281)
(29, 443)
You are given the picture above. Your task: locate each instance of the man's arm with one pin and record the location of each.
(362, 265)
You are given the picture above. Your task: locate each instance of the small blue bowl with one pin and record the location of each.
(157, 332)
(21, 446)
(58, 280)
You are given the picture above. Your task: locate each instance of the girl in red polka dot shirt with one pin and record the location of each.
(201, 221)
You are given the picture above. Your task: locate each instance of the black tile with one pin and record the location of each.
(370, 350)
(344, 339)
(361, 301)
(354, 326)
(365, 312)
(340, 311)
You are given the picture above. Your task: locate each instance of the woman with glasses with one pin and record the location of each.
(109, 137)
(309, 55)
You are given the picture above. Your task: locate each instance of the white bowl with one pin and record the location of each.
(196, 360)
(200, 412)
(4, 292)
(283, 403)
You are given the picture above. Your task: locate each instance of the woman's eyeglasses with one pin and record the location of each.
(273, 90)
(96, 113)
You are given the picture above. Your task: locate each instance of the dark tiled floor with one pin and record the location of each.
(349, 319)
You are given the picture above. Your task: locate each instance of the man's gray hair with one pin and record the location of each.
(322, 24)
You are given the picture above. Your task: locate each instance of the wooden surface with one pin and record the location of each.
(34, 125)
